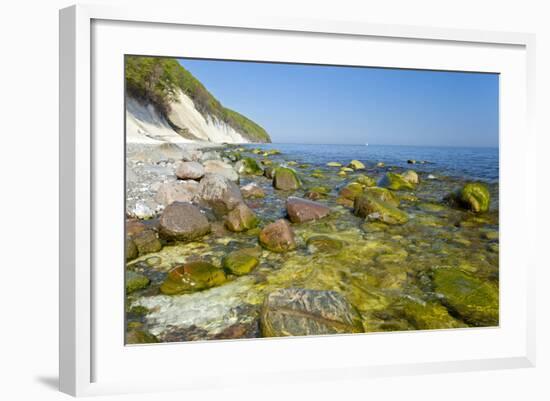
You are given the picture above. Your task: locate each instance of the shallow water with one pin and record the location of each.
(379, 268)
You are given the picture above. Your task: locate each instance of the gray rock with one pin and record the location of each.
(176, 191)
(218, 193)
(183, 222)
(303, 312)
(221, 168)
(190, 171)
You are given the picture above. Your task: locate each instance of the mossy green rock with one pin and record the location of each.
(383, 194)
(411, 176)
(334, 164)
(474, 300)
(240, 262)
(395, 182)
(356, 165)
(285, 179)
(304, 312)
(242, 218)
(351, 191)
(131, 249)
(249, 166)
(192, 276)
(377, 210)
(324, 244)
(320, 190)
(427, 315)
(147, 242)
(473, 196)
(366, 180)
(140, 337)
(135, 281)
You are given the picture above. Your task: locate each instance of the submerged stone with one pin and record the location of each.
(240, 262)
(192, 276)
(140, 337)
(303, 312)
(427, 315)
(252, 190)
(383, 195)
(395, 182)
(324, 244)
(365, 180)
(183, 222)
(135, 281)
(476, 301)
(302, 210)
(377, 210)
(334, 164)
(285, 179)
(351, 191)
(241, 218)
(147, 242)
(278, 237)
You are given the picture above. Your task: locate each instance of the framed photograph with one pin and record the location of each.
(279, 198)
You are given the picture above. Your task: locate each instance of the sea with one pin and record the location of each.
(474, 163)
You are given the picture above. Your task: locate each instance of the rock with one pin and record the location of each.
(190, 170)
(377, 210)
(384, 195)
(411, 176)
(317, 175)
(356, 165)
(268, 172)
(317, 193)
(240, 262)
(153, 261)
(192, 276)
(324, 244)
(380, 164)
(219, 193)
(351, 191)
(131, 249)
(334, 164)
(147, 242)
(241, 218)
(432, 177)
(191, 155)
(221, 168)
(344, 202)
(342, 174)
(135, 281)
(473, 196)
(411, 161)
(140, 337)
(365, 180)
(183, 222)
(142, 210)
(302, 210)
(474, 300)
(427, 315)
(278, 237)
(176, 191)
(394, 182)
(249, 166)
(210, 156)
(252, 190)
(285, 179)
(302, 312)
(134, 227)
(347, 169)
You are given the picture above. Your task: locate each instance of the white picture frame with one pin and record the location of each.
(89, 365)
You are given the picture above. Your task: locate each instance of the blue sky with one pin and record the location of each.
(324, 104)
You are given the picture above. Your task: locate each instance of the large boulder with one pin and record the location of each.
(474, 300)
(374, 209)
(473, 196)
(218, 193)
(278, 237)
(190, 171)
(176, 191)
(241, 218)
(395, 182)
(301, 210)
(221, 168)
(304, 312)
(285, 179)
(183, 222)
(241, 262)
(191, 277)
(248, 166)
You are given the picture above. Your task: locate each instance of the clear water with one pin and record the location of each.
(467, 163)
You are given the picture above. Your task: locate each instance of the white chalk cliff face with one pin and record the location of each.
(144, 124)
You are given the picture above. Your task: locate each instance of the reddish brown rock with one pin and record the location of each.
(241, 218)
(278, 237)
(301, 210)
